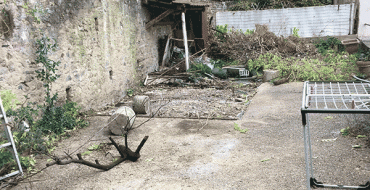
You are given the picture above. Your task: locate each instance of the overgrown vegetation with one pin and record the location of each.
(245, 5)
(36, 128)
(297, 59)
(333, 67)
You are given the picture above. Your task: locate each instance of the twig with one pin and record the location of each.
(177, 64)
(153, 115)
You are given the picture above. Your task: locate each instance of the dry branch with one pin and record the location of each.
(125, 152)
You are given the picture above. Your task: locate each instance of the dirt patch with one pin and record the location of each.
(191, 102)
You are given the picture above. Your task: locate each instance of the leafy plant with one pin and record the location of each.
(295, 32)
(345, 131)
(94, 147)
(48, 73)
(130, 92)
(9, 99)
(236, 127)
(334, 67)
(200, 68)
(331, 43)
(32, 12)
(86, 153)
(360, 136)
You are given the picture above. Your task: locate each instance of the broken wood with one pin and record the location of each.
(158, 18)
(125, 152)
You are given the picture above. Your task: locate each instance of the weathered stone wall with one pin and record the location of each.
(103, 47)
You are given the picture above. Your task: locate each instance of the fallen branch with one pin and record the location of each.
(125, 152)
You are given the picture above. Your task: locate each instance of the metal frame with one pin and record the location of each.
(331, 97)
(9, 144)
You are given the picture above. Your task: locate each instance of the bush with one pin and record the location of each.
(330, 43)
(9, 99)
(334, 67)
(60, 118)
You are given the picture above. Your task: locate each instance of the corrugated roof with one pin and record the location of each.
(311, 21)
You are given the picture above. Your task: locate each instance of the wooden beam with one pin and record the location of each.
(185, 40)
(158, 18)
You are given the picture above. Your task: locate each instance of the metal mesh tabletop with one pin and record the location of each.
(336, 97)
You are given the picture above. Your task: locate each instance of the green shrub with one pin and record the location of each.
(331, 43)
(60, 118)
(334, 67)
(9, 99)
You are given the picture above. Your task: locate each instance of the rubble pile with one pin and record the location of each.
(242, 47)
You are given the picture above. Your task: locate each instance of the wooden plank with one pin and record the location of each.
(166, 55)
(185, 40)
(158, 18)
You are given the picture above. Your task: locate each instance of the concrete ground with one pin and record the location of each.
(201, 154)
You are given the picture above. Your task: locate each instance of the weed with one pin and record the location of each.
(334, 67)
(345, 131)
(130, 92)
(331, 43)
(295, 32)
(200, 68)
(360, 136)
(9, 99)
(236, 127)
(86, 153)
(94, 147)
(265, 160)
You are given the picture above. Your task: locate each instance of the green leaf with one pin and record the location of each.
(236, 127)
(360, 136)
(356, 146)
(345, 131)
(86, 153)
(265, 160)
(328, 117)
(94, 147)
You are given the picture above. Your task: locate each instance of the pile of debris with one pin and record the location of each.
(242, 47)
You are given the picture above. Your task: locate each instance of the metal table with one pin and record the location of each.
(331, 97)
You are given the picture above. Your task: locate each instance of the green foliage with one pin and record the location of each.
(9, 99)
(59, 118)
(295, 32)
(334, 67)
(55, 120)
(363, 54)
(24, 113)
(331, 43)
(241, 6)
(94, 147)
(345, 131)
(249, 32)
(244, 5)
(32, 12)
(48, 73)
(236, 127)
(86, 153)
(130, 92)
(221, 31)
(200, 68)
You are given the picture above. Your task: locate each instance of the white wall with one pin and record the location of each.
(331, 20)
(364, 18)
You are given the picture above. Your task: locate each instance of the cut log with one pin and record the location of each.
(121, 121)
(141, 104)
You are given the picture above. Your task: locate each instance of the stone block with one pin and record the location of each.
(269, 75)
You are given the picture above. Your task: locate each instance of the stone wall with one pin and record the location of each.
(103, 47)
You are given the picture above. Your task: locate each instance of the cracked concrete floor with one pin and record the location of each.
(201, 154)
